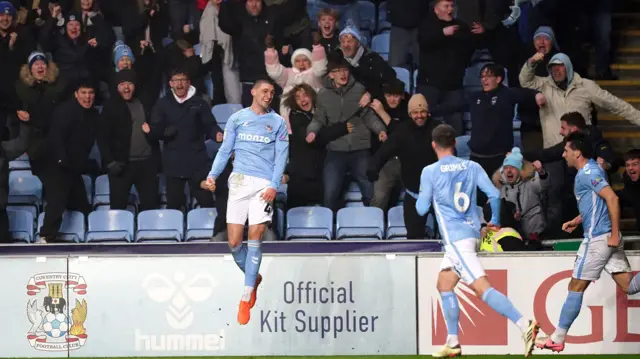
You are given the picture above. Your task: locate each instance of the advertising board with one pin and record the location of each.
(537, 286)
(187, 306)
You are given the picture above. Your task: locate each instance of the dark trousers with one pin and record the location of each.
(5, 236)
(63, 190)
(336, 166)
(304, 192)
(142, 174)
(222, 197)
(489, 165)
(414, 222)
(176, 198)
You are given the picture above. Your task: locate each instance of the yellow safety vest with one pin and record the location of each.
(490, 241)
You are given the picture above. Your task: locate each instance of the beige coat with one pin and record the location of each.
(578, 97)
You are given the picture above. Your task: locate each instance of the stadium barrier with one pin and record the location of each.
(351, 304)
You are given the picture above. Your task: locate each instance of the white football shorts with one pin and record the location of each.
(595, 256)
(462, 257)
(245, 200)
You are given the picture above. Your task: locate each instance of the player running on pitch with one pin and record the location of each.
(258, 137)
(451, 183)
(602, 247)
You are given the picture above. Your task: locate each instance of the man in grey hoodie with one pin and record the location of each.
(339, 102)
(519, 185)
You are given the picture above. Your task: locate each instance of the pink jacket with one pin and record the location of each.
(287, 77)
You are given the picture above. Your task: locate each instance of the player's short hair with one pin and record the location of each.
(493, 69)
(436, 2)
(444, 136)
(579, 141)
(574, 119)
(290, 97)
(633, 154)
(261, 82)
(328, 12)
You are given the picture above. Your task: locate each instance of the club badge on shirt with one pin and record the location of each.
(268, 128)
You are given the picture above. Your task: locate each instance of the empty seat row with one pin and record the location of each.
(302, 223)
(355, 223)
(120, 225)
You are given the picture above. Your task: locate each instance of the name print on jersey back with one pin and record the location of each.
(451, 183)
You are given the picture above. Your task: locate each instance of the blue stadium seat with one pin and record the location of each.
(196, 49)
(383, 23)
(110, 226)
(354, 204)
(280, 223)
(208, 84)
(395, 223)
(167, 41)
(364, 223)
(222, 112)
(517, 139)
(353, 193)
(212, 148)
(31, 209)
(160, 225)
(200, 224)
(20, 164)
(21, 226)
(462, 147)
(88, 186)
(309, 223)
(101, 194)
(367, 14)
(403, 75)
(24, 188)
(95, 155)
(380, 44)
(281, 194)
(72, 228)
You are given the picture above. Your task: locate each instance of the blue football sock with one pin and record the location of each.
(451, 311)
(501, 304)
(570, 309)
(239, 254)
(634, 285)
(254, 257)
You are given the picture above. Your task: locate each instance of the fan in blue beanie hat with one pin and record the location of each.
(514, 159)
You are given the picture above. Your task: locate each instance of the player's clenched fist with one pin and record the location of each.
(209, 184)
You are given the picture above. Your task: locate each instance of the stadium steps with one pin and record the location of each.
(623, 134)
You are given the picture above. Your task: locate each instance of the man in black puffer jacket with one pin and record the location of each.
(183, 121)
(71, 137)
(132, 158)
(411, 142)
(40, 90)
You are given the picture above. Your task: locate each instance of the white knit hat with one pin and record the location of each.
(298, 52)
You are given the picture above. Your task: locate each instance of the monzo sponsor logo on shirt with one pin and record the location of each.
(253, 138)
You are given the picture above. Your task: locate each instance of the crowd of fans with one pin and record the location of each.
(349, 117)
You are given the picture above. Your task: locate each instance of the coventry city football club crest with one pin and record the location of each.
(53, 326)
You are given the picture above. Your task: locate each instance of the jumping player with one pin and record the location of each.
(602, 247)
(258, 137)
(451, 183)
